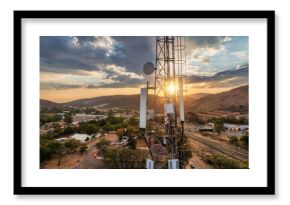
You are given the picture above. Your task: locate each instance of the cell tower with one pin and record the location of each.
(169, 79)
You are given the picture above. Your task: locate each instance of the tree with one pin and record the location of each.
(57, 129)
(125, 158)
(233, 140)
(193, 117)
(61, 152)
(115, 120)
(107, 127)
(101, 123)
(68, 118)
(48, 117)
(102, 142)
(88, 128)
(222, 162)
(110, 113)
(45, 153)
(219, 127)
(83, 148)
(131, 130)
(71, 144)
(58, 149)
(68, 130)
(245, 139)
(132, 142)
(50, 135)
(102, 145)
(111, 158)
(133, 121)
(120, 133)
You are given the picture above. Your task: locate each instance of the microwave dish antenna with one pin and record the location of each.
(148, 68)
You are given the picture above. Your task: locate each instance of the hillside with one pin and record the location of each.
(233, 100)
(48, 103)
(119, 101)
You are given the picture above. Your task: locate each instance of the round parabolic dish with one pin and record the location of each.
(148, 68)
(157, 149)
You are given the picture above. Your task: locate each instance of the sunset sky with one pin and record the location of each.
(75, 67)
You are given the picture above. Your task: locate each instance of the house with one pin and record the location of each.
(81, 137)
(236, 127)
(81, 117)
(232, 127)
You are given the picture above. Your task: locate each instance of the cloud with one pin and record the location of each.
(69, 54)
(241, 54)
(117, 61)
(202, 48)
(114, 71)
(118, 77)
(58, 86)
(227, 83)
(129, 83)
(222, 77)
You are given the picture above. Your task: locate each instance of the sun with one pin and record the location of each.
(171, 88)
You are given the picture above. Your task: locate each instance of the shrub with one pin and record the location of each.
(83, 148)
(233, 140)
(223, 162)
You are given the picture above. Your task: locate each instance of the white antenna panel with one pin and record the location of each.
(143, 108)
(149, 164)
(181, 100)
(173, 164)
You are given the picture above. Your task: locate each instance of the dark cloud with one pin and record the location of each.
(86, 39)
(79, 54)
(202, 48)
(68, 54)
(205, 41)
(243, 71)
(136, 51)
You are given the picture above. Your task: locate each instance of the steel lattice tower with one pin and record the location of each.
(170, 69)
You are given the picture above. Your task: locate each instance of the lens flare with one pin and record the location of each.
(171, 88)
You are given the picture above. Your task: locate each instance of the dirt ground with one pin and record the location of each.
(198, 150)
(222, 138)
(77, 160)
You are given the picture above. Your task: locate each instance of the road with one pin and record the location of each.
(89, 160)
(229, 150)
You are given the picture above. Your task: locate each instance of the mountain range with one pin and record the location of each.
(233, 100)
(236, 99)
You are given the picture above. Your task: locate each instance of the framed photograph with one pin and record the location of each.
(104, 103)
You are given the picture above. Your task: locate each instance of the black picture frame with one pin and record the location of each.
(268, 190)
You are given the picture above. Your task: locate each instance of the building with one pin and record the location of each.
(232, 127)
(62, 115)
(81, 137)
(77, 118)
(81, 117)
(236, 127)
(101, 117)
